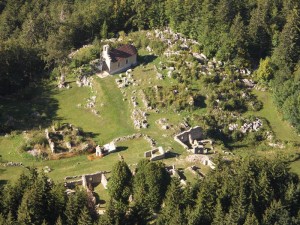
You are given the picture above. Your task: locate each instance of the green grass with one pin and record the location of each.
(114, 121)
(282, 129)
(114, 113)
(295, 167)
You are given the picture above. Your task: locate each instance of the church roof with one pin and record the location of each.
(122, 52)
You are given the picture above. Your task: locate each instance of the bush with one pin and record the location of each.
(85, 55)
(57, 125)
(38, 139)
(24, 147)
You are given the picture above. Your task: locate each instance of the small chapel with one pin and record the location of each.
(116, 60)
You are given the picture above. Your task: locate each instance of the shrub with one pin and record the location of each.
(85, 55)
(38, 139)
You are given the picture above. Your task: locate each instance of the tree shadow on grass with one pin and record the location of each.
(170, 155)
(98, 200)
(200, 102)
(146, 59)
(36, 108)
(2, 182)
(121, 148)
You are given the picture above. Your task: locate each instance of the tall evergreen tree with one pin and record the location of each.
(120, 183)
(85, 217)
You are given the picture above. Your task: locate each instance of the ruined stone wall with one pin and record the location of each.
(183, 138)
(94, 178)
(104, 181)
(86, 180)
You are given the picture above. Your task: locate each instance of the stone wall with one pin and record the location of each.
(183, 138)
(104, 181)
(120, 66)
(87, 179)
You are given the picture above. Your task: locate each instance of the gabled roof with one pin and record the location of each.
(122, 52)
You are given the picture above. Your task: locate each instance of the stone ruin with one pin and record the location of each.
(125, 80)
(62, 82)
(184, 138)
(192, 140)
(84, 81)
(248, 126)
(150, 140)
(106, 149)
(171, 39)
(248, 83)
(203, 159)
(139, 118)
(87, 180)
(175, 173)
(163, 123)
(155, 154)
(91, 104)
(59, 143)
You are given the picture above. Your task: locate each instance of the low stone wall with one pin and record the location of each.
(12, 164)
(150, 140)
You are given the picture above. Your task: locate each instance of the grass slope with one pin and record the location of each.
(281, 128)
(114, 113)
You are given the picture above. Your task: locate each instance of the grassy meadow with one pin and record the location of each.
(68, 105)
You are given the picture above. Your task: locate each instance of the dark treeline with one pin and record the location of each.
(244, 192)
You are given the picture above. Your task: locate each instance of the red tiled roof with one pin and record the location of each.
(122, 52)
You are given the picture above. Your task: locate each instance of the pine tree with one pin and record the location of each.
(10, 220)
(84, 217)
(2, 219)
(104, 30)
(71, 211)
(288, 51)
(119, 185)
(31, 208)
(56, 202)
(251, 219)
(59, 221)
(219, 217)
(174, 200)
(115, 214)
(276, 214)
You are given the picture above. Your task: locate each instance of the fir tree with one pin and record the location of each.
(251, 219)
(59, 221)
(119, 185)
(84, 217)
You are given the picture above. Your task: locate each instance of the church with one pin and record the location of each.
(119, 59)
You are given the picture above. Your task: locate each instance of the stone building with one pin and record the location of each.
(192, 140)
(119, 59)
(155, 154)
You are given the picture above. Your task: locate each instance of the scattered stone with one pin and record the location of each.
(47, 169)
(12, 164)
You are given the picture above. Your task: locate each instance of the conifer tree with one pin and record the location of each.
(251, 220)
(104, 30)
(84, 217)
(288, 51)
(174, 200)
(219, 217)
(119, 185)
(10, 220)
(59, 221)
